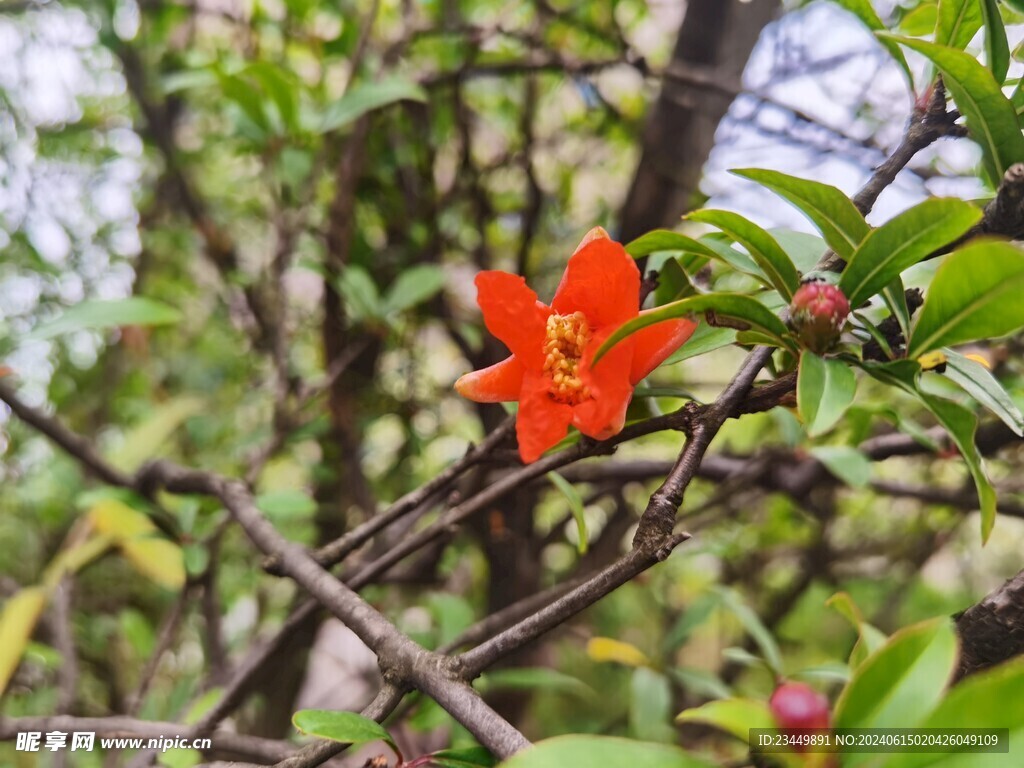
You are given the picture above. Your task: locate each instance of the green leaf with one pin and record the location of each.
(346, 727)
(734, 716)
(701, 682)
(469, 757)
(650, 706)
(731, 306)
(961, 424)
(575, 506)
(902, 242)
(979, 383)
(957, 22)
(900, 683)
(17, 621)
(754, 627)
(869, 639)
(660, 240)
(988, 699)
(920, 20)
(362, 299)
(362, 99)
(137, 537)
(768, 254)
(97, 315)
(707, 338)
(997, 50)
(864, 11)
(604, 751)
(975, 294)
(831, 211)
(414, 286)
(825, 387)
(146, 439)
(534, 679)
(990, 116)
(281, 87)
(846, 463)
(286, 504)
(804, 249)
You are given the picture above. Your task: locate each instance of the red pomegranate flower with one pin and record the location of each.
(550, 371)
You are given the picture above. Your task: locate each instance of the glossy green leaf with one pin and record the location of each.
(987, 699)
(977, 381)
(346, 727)
(846, 463)
(825, 387)
(734, 716)
(17, 621)
(900, 683)
(762, 247)
(831, 211)
(990, 116)
(864, 11)
(98, 315)
(920, 21)
(902, 242)
(733, 307)
(146, 439)
(568, 490)
(957, 22)
(961, 425)
(365, 98)
(975, 294)
(997, 49)
(658, 240)
(604, 751)
(707, 338)
(533, 679)
(414, 286)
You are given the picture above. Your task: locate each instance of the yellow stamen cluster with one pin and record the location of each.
(567, 335)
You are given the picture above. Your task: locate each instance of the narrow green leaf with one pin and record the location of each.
(664, 240)
(650, 706)
(768, 254)
(864, 11)
(346, 727)
(604, 751)
(732, 306)
(97, 315)
(362, 299)
(957, 22)
(900, 683)
(895, 297)
(470, 757)
(848, 464)
(568, 490)
(148, 437)
(975, 294)
(961, 424)
(831, 211)
(997, 49)
(365, 98)
(734, 716)
(414, 286)
(825, 387)
(534, 679)
(902, 242)
(977, 381)
(706, 338)
(990, 116)
(920, 20)
(754, 627)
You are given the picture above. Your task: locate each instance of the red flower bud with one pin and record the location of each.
(797, 706)
(817, 313)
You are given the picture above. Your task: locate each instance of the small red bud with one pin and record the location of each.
(817, 313)
(797, 706)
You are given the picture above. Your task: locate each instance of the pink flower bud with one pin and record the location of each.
(817, 314)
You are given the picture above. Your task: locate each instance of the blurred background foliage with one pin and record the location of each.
(296, 181)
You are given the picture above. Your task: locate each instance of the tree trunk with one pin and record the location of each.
(714, 43)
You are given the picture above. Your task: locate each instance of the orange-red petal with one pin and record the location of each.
(499, 383)
(602, 281)
(604, 414)
(541, 422)
(513, 315)
(656, 342)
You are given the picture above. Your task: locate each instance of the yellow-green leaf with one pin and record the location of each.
(18, 619)
(609, 649)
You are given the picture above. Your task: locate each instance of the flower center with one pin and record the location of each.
(567, 335)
